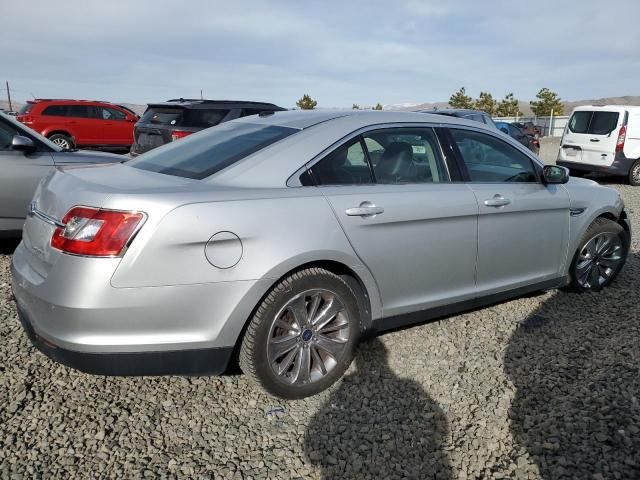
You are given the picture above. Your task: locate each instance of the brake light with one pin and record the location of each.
(622, 135)
(95, 232)
(178, 134)
(25, 118)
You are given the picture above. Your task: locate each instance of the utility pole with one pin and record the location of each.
(9, 96)
(201, 98)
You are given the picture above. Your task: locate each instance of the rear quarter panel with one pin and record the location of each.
(277, 235)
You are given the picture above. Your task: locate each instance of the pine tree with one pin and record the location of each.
(355, 106)
(460, 99)
(486, 103)
(547, 101)
(306, 103)
(508, 107)
(377, 107)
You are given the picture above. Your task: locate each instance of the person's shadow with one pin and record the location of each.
(377, 425)
(576, 366)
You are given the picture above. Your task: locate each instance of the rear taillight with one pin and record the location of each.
(178, 134)
(95, 232)
(622, 135)
(25, 118)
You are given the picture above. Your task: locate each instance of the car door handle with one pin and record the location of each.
(497, 201)
(595, 139)
(366, 209)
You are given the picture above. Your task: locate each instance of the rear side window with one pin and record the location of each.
(78, 111)
(209, 151)
(55, 110)
(603, 123)
(346, 165)
(107, 113)
(593, 122)
(203, 118)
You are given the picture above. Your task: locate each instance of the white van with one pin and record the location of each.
(602, 138)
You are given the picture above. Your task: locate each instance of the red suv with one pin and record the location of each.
(80, 123)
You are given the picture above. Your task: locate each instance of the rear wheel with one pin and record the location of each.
(63, 141)
(303, 336)
(634, 174)
(600, 256)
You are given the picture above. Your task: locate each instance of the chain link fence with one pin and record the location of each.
(551, 126)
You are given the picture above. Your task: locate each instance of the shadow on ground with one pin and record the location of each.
(575, 364)
(377, 425)
(8, 245)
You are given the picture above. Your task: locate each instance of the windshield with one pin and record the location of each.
(30, 133)
(209, 151)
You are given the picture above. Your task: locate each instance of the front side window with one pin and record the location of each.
(579, 122)
(209, 151)
(489, 159)
(106, 113)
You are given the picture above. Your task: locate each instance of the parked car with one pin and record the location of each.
(25, 159)
(469, 114)
(174, 119)
(604, 139)
(529, 141)
(286, 237)
(529, 128)
(80, 123)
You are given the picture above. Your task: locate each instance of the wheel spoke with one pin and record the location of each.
(609, 262)
(298, 308)
(287, 326)
(591, 248)
(594, 276)
(304, 373)
(313, 308)
(282, 345)
(333, 346)
(317, 358)
(603, 244)
(328, 312)
(283, 367)
(334, 327)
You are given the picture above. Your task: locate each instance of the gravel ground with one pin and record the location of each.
(540, 387)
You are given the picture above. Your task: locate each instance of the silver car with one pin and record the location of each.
(281, 239)
(26, 157)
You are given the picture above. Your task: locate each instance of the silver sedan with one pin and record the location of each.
(279, 240)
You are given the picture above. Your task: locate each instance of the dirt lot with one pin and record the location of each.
(540, 387)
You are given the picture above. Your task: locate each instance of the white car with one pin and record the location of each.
(602, 138)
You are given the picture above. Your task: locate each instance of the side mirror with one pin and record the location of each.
(554, 174)
(22, 144)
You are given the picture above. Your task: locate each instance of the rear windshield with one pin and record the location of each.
(184, 117)
(26, 108)
(593, 123)
(208, 152)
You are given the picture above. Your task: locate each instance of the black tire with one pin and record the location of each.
(254, 352)
(62, 141)
(599, 227)
(634, 174)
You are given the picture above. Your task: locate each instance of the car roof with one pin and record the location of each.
(355, 119)
(616, 108)
(204, 103)
(455, 111)
(69, 101)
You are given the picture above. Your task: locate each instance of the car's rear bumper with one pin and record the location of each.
(620, 166)
(75, 316)
(203, 361)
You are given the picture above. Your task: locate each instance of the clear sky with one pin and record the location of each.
(340, 52)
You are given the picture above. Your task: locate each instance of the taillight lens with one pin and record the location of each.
(25, 118)
(178, 134)
(622, 135)
(95, 232)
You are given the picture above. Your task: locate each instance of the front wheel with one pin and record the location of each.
(303, 335)
(634, 174)
(600, 256)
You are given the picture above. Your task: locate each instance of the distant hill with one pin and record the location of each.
(139, 109)
(524, 106)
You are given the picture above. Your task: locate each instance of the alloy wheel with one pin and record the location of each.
(308, 337)
(635, 173)
(599, 260)
(62, 143)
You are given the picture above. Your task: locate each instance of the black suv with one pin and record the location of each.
(477, 115)
(174, 119)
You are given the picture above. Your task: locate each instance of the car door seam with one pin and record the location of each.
(475, 270)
